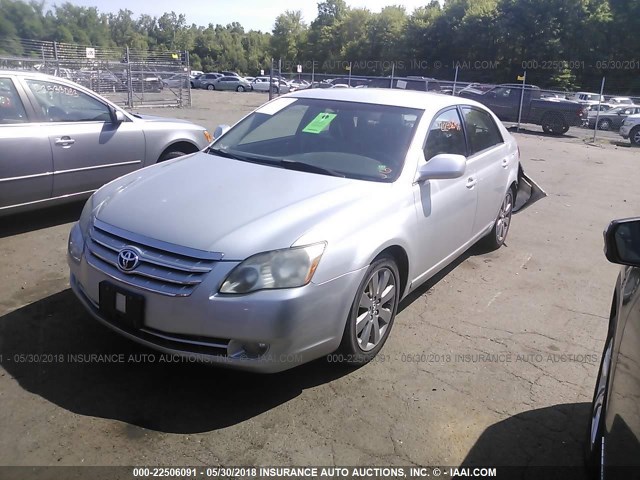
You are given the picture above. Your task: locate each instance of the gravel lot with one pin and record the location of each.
(493, 362)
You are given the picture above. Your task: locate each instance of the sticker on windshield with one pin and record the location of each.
(275, 106)
(320, 123)
(383, 170)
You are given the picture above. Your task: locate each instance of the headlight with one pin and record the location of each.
(79, 231)
(86, 217)
(76, 243)
(287, 268)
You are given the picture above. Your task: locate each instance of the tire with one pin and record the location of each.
(192, 85)
(604, 124)
(595, 429)
(241, 89)
(554, 124)
(211, 87)
(634, 136)
(498, 234)
(170, 154)
(375, 304)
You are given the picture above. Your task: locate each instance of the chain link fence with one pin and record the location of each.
(132, 78)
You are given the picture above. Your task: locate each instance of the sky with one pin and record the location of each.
(251, 14)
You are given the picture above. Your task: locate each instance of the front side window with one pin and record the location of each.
(445, 135)
(482, 131)
(63, 103)
(355, 140)
(11, 108)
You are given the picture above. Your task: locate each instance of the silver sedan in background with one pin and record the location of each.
(262, 84)
(238, 84)
(299, 230)
(61, 141)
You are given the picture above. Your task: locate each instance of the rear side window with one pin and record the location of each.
(445, 135)
(482, 131)
(11, 108)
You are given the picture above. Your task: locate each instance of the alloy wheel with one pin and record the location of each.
(504, 218)
(375, 308)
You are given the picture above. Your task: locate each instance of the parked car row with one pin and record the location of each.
(612, 118)
(232, 81)
(107, 81)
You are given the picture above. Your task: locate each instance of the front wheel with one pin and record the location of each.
(498, 234)
(372, 312)
(240, 88)
(170, 154)
(210, 87)
(604, 124)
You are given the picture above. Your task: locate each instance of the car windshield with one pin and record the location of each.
(354, 140)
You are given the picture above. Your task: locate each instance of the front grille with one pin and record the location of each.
(163, 268)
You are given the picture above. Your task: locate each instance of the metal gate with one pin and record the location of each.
(133, 78)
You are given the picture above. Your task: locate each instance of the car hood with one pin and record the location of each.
(155, 119)
(223, 205)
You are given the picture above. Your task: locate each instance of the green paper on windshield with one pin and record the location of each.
(319, 123)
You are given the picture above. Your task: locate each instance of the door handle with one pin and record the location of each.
(471, 182)
(65, 141)
(505, 162)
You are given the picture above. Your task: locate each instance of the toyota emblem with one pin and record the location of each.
(128, 259)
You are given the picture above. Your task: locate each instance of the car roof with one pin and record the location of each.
(29, 73)
(386, 96)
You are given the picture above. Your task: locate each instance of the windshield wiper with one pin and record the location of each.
(308, 167)
(224, 153)
(288, 164)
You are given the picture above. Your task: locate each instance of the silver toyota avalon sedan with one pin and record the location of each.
(297, 232)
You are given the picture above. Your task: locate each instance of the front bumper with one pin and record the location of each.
(624, 131)
(298, 324)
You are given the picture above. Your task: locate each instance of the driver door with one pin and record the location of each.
(89, 148)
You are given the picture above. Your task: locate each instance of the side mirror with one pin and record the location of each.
(119, 116)
(622, 242)
(220, 130)
(442, 166)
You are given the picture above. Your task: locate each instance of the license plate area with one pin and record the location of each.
(121, 306)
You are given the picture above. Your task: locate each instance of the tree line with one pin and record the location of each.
(564, 44)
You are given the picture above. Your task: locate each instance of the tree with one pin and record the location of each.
(289, 35)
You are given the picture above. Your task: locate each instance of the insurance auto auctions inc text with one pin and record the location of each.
(375, 472)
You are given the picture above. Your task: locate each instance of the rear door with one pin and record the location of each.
(26, 163)
(490, 159)
(89, 148)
